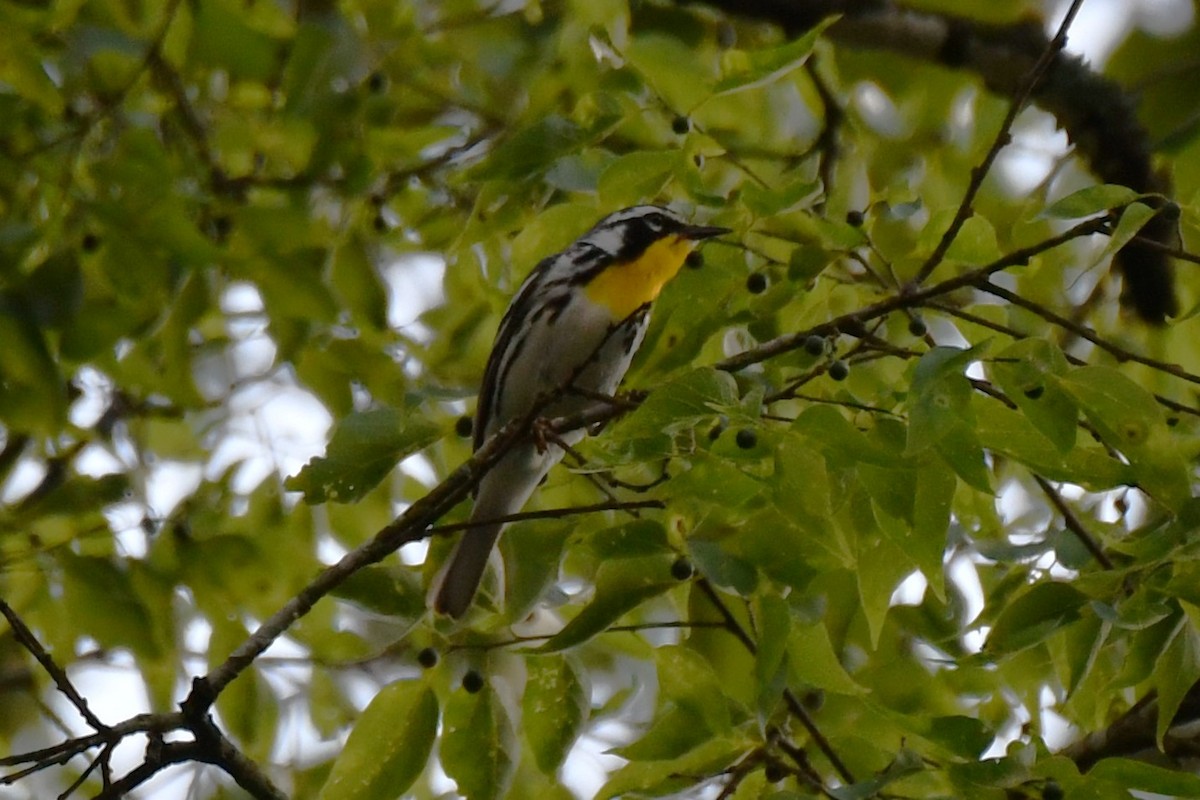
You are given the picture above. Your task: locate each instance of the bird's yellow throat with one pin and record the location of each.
(626, 287)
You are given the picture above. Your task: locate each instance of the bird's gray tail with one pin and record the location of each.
(461, 579)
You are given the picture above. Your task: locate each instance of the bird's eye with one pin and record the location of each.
(656, 222)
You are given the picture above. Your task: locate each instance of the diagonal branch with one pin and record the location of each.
(57, 673)
(1120, 353)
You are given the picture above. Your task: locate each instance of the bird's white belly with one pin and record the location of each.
(582, 346)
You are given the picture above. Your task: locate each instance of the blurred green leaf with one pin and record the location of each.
(761, 67)
(532, 149)
(1175, 673)
(364, 448)
(103, 604)
(479, 746)
(1130, 420)
(621, 586)
(389, 745)
(1035, 614)
(1090, 200)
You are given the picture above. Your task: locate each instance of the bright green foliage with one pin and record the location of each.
(931, 574)
(389, 745)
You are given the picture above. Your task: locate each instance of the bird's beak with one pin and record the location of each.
(698, 232)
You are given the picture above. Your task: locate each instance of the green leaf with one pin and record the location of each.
(881, 563)
(364, 448)
(939, 398)
(358, 285)
(676, 774)
(932, 508)
(23, 72)
(632, 178)
(103, 604)
(839, 440)
(1130, 774)
(621, 586)
(1034, 615)
(388, 747)
(716, 562)
(531, 150)
(813, 661)
(767, 202)
(966, 737)
(688, 681)
(384, 589)
(554, 708)
(1132, 422)
(675, 70)
(532, 554)
(1133, 219)
(716, 481)
(1090, 200)
(1023, 370)
(975, 242)
(1175, 673)
(32, 393)
(224, 39)
(775, 624)
(479, 746)
(673, 732)
(761, 67)
(693, 707)
(637, 537)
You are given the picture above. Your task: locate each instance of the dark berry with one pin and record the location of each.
(682, 569)
(854, 218)
(695, 259)
(90, 242)
(380, 224)
(428, 658)
(839, 370)
(463, 426)
(681, 125)
(1170, 211)
(1052, 791)
(756, 283)
(814, 345)
(1172, 421)
(1034, 392)
(813, 699)
(774, 772)
(916, 326)
(222, 226)
(746, 439)
(718, 429)
(472, 682)
(377, 82)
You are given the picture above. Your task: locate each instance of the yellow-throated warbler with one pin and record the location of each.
(578, 318)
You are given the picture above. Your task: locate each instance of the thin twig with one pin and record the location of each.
(793, 703)
(1120, 353)
(56, 673)
(983, 322)
(632, 628)
(549, 513)
(1003, 137)
(1073, 523)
